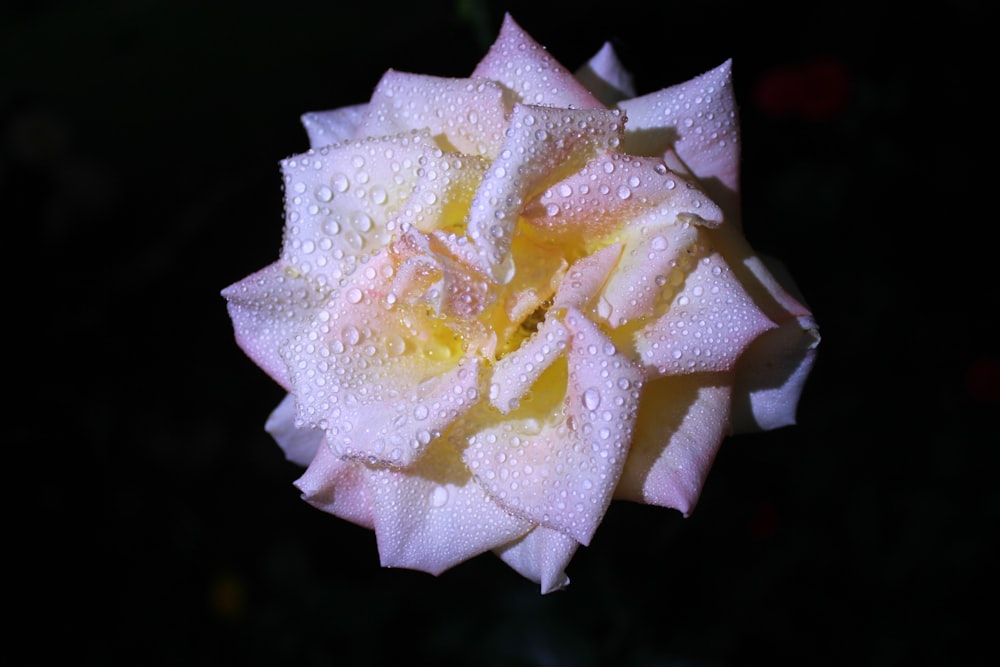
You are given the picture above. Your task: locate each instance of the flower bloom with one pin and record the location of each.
(506, 300)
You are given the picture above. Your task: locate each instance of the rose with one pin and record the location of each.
(501, 304)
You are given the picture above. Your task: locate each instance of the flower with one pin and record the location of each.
(506, 300)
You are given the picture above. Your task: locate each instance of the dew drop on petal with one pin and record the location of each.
(591, 399)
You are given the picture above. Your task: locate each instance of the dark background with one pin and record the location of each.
(155, 522)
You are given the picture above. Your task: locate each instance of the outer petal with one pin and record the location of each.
(541, 556)
(698, 119)
(772, 373)
(539, 142)
(605, 77)
(522, 65)
(560, 470)
(338, 487)
(709, 324)
(381, 381)
(299, 444)
(433, 515)
(268, 308)
(339, 201)
(682, 421)
(467, 115)
(334, 126)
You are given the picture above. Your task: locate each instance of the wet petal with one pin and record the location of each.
(338, 487)
(557, 465)
(333, 126)
(608, 193)
(268, 308)
(381, 381)
(682, 421)
(466, 115)
(539, 143)
(585, 279)
(514, 374)
(697, 118)
(541, 556)
(706, 328)
(433, 515)
(605, 76)
(298, 443)
(339, 201)
(521, 64)
(772, 373)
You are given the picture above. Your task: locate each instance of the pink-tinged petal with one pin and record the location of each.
(442, 193)
(338, 487)
(682, 421)
(558, 465)
(467, 115)
(605, 77)
(382, 380)
(698, 119)
(541, 556)
(267, 309)
(298, 443)
(658, 251)
(772, 373)
(608, 193)
(585, 279)
(521, 64)
(340, 200)
(433, 516)
(539, 142)
(514, 374)
(706, 328)
(333, 126)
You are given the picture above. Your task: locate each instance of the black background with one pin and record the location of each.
(155, 522)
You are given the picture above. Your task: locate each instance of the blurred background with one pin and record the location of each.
(155, 522)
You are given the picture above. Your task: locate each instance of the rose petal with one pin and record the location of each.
(268, 308)
(381, 381)
(541, 556)
(682, 421)
(299, 444)
(557, 465)
(698, 119)
(708, 325)
(658, 252)
(540, 142)
(514, 374)
(521, 64)
(605, 77)
(467, 115)
(772, 373)
(333, 126)
(585, 279)
(339, 201)
(433, 515)
(338, 487)
(608, 193)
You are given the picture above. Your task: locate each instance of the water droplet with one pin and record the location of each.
(354, 295)
(439, 496)
(658, 243)
(324, 194)
(591, 399)
(420, 412)
(624, 192)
